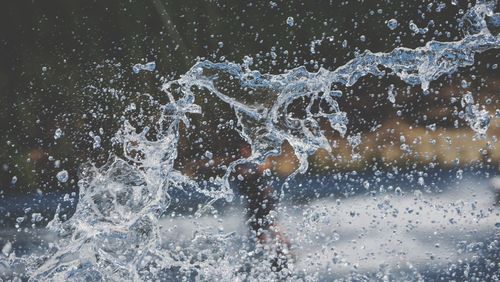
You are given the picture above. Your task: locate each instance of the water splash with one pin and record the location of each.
(114, 233)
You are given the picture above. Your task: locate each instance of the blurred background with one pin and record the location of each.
(67, 85)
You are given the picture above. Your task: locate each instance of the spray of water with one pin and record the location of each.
(115, 235)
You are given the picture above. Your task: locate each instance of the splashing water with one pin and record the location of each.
(115, 232)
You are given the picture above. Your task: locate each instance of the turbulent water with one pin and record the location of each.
(115, 232)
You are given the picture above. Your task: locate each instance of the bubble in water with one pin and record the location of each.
(62, 176)
(13, 180)
(58, 133)
(392, 24)
(290, 21)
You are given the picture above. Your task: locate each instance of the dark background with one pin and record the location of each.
(68, 64)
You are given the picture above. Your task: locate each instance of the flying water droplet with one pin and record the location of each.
(62, 176)
(97, 142)
(137, 68)
(391, 94)
(421, 181)
(58, 133)
(7, 248)
(415, 29)
(392, 24)
(209, 155)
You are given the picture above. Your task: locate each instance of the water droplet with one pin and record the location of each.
(7, 248)
(421, 181)
(62, 176)
(398, 191)
(414, 27)
(467, 99)
(97, 142)
(392, 24)
(391, 94)
(151, 66)
(209, 155)
(290, 21)
(58, 133)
